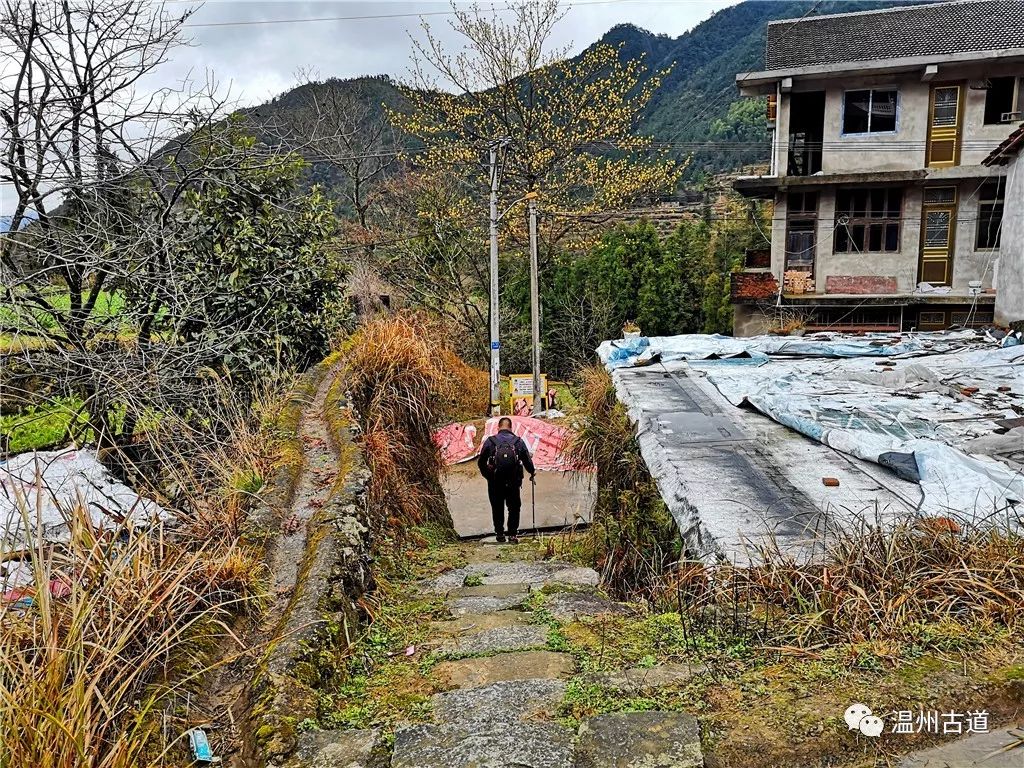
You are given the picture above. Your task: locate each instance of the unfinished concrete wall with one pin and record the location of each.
(750, 320)
(857, 153)
(1010, 273)
(970, 263)
(892, 151)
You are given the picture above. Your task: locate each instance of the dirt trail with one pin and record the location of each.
(319, 471)
(224, 705)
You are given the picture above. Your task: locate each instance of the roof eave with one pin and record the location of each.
(1011, 147)
(754, 83)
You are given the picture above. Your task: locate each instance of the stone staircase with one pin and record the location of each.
(506, 688)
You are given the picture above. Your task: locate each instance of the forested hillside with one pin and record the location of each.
(697, 110)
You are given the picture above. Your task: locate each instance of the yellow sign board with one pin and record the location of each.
(520, 388)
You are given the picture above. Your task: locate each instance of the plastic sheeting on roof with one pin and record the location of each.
(37, 488)
(921, 413)
(623, 352)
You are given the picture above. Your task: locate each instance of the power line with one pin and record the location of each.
(374, 16)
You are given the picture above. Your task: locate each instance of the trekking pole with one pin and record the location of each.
(533, 501)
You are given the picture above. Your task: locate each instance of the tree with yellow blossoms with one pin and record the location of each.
(567, 124)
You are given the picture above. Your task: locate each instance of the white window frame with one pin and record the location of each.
(871, 90)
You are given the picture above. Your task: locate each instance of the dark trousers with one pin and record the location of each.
(502, 494)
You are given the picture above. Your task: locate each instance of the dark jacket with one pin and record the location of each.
(490, 446)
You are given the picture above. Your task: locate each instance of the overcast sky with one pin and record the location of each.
(255, 50)
(258, 54)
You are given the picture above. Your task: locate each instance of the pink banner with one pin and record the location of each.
(546, 441)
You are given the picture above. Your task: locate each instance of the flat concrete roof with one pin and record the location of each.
(741, 435)
(766, 186)
(744, 479)
(763, 82)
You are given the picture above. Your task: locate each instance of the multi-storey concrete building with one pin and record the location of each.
(1010, 276)
(886, 216)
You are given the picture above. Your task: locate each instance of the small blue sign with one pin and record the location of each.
(495, 345)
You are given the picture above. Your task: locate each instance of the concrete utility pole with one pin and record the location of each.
(538, 396)
(495, 342)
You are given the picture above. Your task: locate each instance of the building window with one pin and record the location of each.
(869, 111)
(801, 231)
(868, 220)
(999, 99)
(990, 214)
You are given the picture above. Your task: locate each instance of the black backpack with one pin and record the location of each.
(504, 462)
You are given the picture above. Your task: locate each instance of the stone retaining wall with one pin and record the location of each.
(323, 616)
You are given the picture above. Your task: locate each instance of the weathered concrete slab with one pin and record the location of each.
(643, 680)
(563, 498)
(568, 606)
(337, 749)
(640, 740)
(1001, 748)
(527, 745)
(491, 590)
(480, 622)
(496, 639)
(503, 703)
(536, 574)
(465, 606)
(522, 665)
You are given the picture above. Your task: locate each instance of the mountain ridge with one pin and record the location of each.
(697, 111)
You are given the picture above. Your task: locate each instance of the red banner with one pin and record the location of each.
(545, 441)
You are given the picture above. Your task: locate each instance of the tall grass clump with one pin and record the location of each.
(90, 668)
(394, 370)
(633, 538)
(918, 581)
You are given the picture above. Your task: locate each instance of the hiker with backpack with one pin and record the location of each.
(502, 459)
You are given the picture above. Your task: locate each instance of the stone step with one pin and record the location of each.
(476, 605)
(521, 665)
(640, 740)
(503, 703)
(479, 622)
(572, 605)
(1000, 748)
(536, 574)
(338, 749)
(638, 680)
(622, 740)
(496, 640)
(522, 745)
(491, 590)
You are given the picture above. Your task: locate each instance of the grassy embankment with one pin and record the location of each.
(99, 668)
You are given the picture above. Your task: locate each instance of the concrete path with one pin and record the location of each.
(505, 686)
(563, 499)
(1001, 748)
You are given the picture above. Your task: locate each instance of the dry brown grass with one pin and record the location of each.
(633, 538)
(471, 396)
(880, 580)
(79, 671)
(395, 371)
(96, 677)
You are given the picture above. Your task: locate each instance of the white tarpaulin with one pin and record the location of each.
(917, 413)
(695, 346)
(38, 488)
